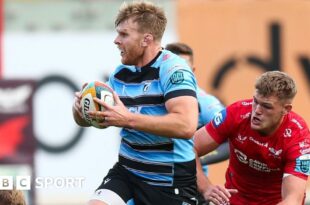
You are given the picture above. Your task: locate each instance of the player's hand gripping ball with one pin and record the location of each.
(95, 89)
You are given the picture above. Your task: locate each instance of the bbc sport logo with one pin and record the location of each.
(25, 182)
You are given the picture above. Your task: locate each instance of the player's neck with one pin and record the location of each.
(149, 54)
(273, 129)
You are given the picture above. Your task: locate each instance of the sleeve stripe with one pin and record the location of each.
(177, 93)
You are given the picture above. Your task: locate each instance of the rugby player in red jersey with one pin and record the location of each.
(269, 147)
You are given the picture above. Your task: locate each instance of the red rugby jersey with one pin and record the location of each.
(257, 163)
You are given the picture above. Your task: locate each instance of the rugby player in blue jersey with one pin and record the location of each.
(157, 109)
(209, 105)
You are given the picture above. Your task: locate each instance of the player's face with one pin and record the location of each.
(267, 113)
(129, 41)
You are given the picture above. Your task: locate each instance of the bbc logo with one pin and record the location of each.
(20, 183)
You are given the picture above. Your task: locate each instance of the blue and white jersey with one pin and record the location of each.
(158, 160)
(208, 107)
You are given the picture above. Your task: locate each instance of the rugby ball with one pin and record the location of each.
(95, 89)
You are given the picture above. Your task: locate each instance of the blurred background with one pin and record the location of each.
(49, 48)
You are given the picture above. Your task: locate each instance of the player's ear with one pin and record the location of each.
(193, 69)
(287, 109)
(147, 39)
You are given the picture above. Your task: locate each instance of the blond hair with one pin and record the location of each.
(12, 197)
(276, 83)
(150, 18)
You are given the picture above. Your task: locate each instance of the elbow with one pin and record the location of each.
(191, 129)
(187, 132)
(190, 133)
(184, 127)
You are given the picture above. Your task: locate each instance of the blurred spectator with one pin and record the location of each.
(12, 197)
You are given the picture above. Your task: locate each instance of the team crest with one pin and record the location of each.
(146, 87)
(177, 77)
(287, 133)
(303, 164)
(219, 118)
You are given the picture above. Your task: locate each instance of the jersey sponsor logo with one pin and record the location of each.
(245, 116)
(287, 132)
(246, 103)
(219, 118)
(136, 109)
(177, 77)
(297, 123)
(258, 142)
(253, 163)
(241, 156)
(303, 164)
(304, 146)
(305, 150)
(260, 166)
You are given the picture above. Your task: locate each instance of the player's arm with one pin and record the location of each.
(293, 190)
(203, 142)
(218, 155)
(217, 194)
(203, 181)
(180, 121)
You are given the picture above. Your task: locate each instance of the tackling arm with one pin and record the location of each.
(204, 143)
(217, 194)
(218, 155)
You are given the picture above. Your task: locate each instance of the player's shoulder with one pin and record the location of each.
(241, 106)
(235, 114)
(169, 61)
(121, 70)
(295, 126)
(295, 132)
(167, 57)
(240, 110)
